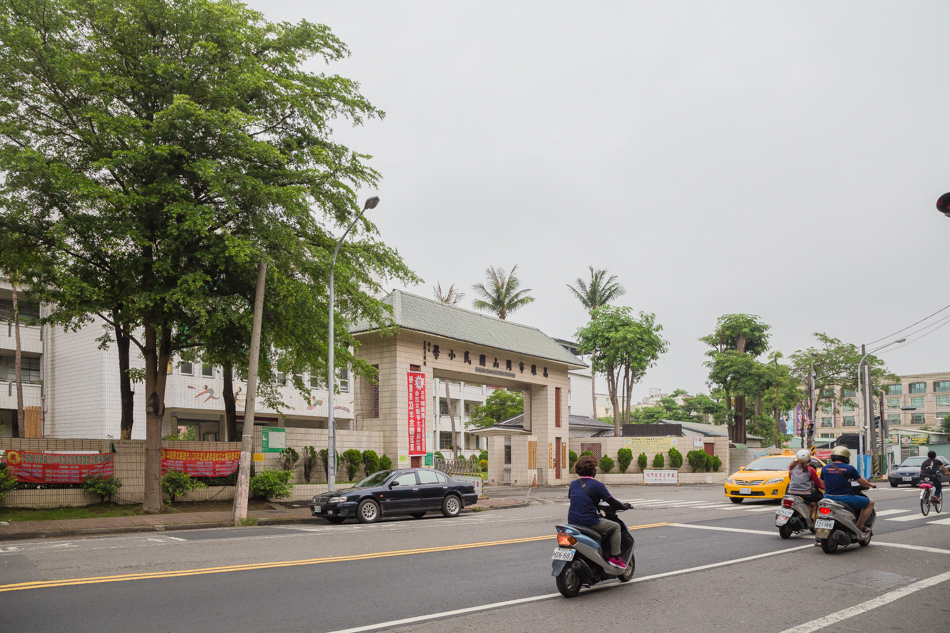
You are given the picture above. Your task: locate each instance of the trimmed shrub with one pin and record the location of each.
(659, 460)
(7, 481)
(624, 457)
(483, 456)
(697, 460)
(176, 484)
(606, 464)
(271, 484)
(352, 460)
(105, 487)
(716, 463)
(370, 462)
(642, 461)
(310, 461)
(483, 465)
(676, 459)
(439, 455)
(385, 463)
(587, 453)
(572, 459)
(287, 459)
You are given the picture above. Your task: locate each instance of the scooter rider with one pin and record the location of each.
(803, 481)
(931, 469)
(838, 476)
(585, 493)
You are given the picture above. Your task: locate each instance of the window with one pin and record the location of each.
(917, 402)
(917, 418)
(186, 369)
(468, 409)
(848, 406)
(848, 420)
(827, 422)
(376, 393)
(207, 371)
(29, 368)
(848, 393)
(894, 403)
(826, 407)
(405, 479)
(942, 385)
(827, 393)
(917, 387)
(281, 378)
(893, 419)
(443, 407)
(29, 311)
(314, 381)
(942, 401)
(344, 380)
(445, 441)
(894, 390)
(428, 477)
(557, 406)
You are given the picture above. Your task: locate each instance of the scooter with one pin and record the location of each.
(580, 559)
(794, 516)
(836, 524)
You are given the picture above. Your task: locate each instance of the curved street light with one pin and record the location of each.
(331, 377)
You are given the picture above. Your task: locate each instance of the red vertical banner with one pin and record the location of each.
(417, 412)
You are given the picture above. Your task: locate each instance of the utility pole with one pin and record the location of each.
(812, 405)
(239, 512)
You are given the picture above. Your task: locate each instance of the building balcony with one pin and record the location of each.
(32, 394)
(31, 341)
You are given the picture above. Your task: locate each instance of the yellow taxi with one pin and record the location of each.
(765, 478)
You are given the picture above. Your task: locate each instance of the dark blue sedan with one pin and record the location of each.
(412, 491)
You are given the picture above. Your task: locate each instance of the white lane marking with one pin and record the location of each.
(917, 548)
(858, 609)
(940, 522)
(884, 513)
(912, 517)
(508, 603)
(723, 529)
(759, 509)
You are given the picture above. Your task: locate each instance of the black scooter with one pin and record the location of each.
(580, 559)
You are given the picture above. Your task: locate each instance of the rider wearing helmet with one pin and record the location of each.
(838, 476)
(931, 469)
(585, 493)
(803, 481)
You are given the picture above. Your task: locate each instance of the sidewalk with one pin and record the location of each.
(278, 515)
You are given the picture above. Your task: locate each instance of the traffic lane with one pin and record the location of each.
(393, 588)
(771, 594)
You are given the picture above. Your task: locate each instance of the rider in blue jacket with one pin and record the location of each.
(838, 476)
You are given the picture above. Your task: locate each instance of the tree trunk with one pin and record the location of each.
(448, 401)
(730, 420)
(230, 405)
(593, 387)
(628, 393)
(18, 369)
(612, 394)
(126, 395)
(157, 353)
(740, 419)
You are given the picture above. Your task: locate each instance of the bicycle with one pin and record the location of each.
(927, 498)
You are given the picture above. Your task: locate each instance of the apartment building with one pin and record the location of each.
(31, 352)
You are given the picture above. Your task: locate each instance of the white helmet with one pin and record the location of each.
(803, 455)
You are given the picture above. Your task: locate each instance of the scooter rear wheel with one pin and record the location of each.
(829, 546)
(628, 572)
(568, 582)
(785, 531)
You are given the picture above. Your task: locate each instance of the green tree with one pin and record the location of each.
(154, 152)
(501, 295)
(622, 349)
(501, 405)
(593, 294)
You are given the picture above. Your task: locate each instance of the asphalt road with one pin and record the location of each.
(702, 564)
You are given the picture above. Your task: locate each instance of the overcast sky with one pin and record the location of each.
(777, 159)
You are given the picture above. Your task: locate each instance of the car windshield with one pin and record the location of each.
(376, 479)
(913, 461)
(771, 463)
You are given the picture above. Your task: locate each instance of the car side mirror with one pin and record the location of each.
(393, 483)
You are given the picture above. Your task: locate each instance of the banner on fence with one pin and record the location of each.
(59, 468)
(661, 477)
(200, 463)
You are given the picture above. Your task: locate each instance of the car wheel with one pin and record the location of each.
(894, 484)
(785, 531)
(451, 506)
(829, 546)
(367, 511)
(417, 515)
(335, 520)
(736, 499)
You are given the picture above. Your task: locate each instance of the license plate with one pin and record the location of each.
(907, 478)
(780, 521)
(785, 512)
(316, 509)
(745, 491)
(824, 524)
(563, 554)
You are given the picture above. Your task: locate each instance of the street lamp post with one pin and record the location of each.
(867, 405)
(331, 377)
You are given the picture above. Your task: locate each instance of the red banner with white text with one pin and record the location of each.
(200, 463)
(417, 412)
(59, 468)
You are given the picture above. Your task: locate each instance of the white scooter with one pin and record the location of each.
(794, 516)
(837, 523)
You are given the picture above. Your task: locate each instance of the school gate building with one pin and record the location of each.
(435, 340)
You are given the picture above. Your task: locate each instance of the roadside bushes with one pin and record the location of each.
(105, 487)
(659, 460)
(176, 484)
(701, 461)
(352, 460)
(7, 481)
(716, 463)
(483, 465)
(385, 463)
(370, 462)
(287, 459)
(606, 464)
(676, 459)
(271, 484)
(571, 459)
(624, 458)
(309, 463)
(642, 461)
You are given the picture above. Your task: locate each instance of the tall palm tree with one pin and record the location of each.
(449, 297)
(597, 293)
(501, 295)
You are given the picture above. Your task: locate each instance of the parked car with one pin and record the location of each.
(908, 472)
(412, 491)
(765, 478)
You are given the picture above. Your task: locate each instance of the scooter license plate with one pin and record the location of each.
(745, 491)
(563, 554)
(824, 524)
(785, 512)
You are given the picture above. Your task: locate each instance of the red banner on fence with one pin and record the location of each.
(59, 468)
(417, 412)
(200, 463)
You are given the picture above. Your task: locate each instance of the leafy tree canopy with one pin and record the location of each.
(501, 405)
(738, 330)
(501, 293)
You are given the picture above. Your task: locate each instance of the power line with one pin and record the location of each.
(909, 326)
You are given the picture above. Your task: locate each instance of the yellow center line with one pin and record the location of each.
(44, 584)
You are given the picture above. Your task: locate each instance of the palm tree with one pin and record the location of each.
(501, 295)
(449, 297)
(592, 295)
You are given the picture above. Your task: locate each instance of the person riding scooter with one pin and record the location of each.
(838, 476)
(585, 493)
(803, 481)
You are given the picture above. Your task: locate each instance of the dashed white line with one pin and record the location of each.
(884, 513)
(912, 517)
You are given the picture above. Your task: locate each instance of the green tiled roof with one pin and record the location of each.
(411, 312)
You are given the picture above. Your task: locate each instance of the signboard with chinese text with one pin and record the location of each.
(200, 463)
(650, 444)
(273, 439)
(59, 468)
(698, 441)
(661, 477)
(417, 412)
